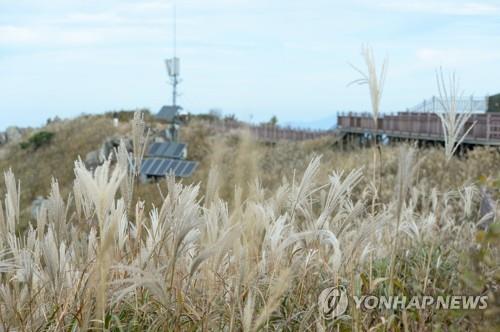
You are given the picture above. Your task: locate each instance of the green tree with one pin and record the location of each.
(274, 121)
(38, 140)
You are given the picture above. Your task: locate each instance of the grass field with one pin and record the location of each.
(249, 242)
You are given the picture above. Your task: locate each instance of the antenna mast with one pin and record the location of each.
(173, 71)
(175, 28)
(175, 59)
(173, 64)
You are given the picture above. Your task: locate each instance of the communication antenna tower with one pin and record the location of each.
(173, 71)
(173, 64)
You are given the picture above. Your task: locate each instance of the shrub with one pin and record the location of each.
(128, 115)
(38, 140)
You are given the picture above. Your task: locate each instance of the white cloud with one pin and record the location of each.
(126, 21)
(49, 36)
(14, 35)
(455, 56)
(30, 36)
(147, 6)
(444, 7)
(92, 18)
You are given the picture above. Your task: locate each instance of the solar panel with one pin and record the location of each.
(167, 150)
(180, 168)
(173, 166)
(190, 167)
(153, 149)
(156, 166)
(146, 165)
(165, 166)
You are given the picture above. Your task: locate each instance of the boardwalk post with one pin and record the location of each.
(488, 115)
(428, 123)
(419, 123)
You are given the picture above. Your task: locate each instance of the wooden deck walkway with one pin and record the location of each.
(421, 126)
(269, 133)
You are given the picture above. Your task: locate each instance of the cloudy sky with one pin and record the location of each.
(253, 58)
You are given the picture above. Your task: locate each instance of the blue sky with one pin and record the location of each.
(253, 58)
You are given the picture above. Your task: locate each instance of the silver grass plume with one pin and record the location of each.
(213, 185)
(406, 170)
(125, 162)
(41, 222)
(82, 204)
(12, 198)
(99, 187)
(7, 263)
(452, 122)
(468, 194)
(306, 187)
(3, 225)
(139, 140)
(374, 80)
(339, 191)
(56, 211)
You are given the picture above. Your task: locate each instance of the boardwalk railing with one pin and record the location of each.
(425, 126)
(434, 104)
(272, 133)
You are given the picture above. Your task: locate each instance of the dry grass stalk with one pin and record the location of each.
(406, 171)
(375, 82)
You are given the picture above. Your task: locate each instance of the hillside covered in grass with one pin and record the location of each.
(238, 156)
(249, 242)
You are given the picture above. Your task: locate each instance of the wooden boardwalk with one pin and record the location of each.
(270, 133)
(420, 126)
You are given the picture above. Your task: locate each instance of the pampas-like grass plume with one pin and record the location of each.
(452, 121)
